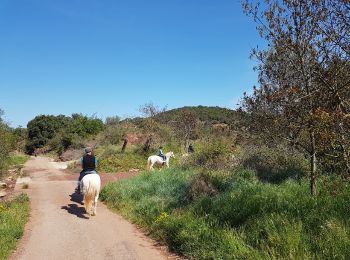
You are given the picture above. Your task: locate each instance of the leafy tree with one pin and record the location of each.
(43, 128)
(85, 126)
(306, 53)
(60, 132)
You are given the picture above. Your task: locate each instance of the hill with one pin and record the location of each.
(205, 114)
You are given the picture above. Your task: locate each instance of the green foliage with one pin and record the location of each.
(111, 159)
(43, 128)
(274, 165)
(85, 126)
(61, 132)
(210, 115)
(245, 219)
(112, 120)
(113, 134)
(13, 217)
(210, 154)
(7, 144)
(16, 161)
(150, 193)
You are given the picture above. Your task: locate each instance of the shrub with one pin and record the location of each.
(111, 160)
(7, 144)
(212, 154)
(274, 165)
(113, 134)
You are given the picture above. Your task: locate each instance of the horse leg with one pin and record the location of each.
(95, 206)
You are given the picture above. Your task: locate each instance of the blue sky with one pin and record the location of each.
(108, 57)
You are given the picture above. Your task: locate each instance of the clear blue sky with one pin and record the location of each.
(108, 57)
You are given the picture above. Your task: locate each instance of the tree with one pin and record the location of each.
(112, 120)
(295, 89)
(151, 110)
(61, 131)
(43, 128)
(186, 126)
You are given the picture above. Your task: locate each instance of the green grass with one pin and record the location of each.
(122, 162)
(13, 217)
(112, 160)
(244, 219)
(17, 160)
(13, 161)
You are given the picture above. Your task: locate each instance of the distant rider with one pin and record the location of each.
(190, 149)
(161, 154)
(88, 163)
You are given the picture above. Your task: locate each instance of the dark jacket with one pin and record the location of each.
(89, 163)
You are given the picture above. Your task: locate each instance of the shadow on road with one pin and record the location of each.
(78, 198)
(74, 209)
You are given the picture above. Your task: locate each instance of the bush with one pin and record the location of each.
(113, 134)
(274, 165)
(7, 144)
(112, 160)
(61, 132)
(212, 155)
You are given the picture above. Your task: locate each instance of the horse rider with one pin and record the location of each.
(161, 154)
(88, 163)
(190, 149)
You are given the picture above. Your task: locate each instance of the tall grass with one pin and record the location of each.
(13, 217)
(12, 161)
(111, 159)
(243, 219)
(17, 160)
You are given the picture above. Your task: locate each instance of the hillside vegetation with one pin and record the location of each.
(269, 180)
(240, 195)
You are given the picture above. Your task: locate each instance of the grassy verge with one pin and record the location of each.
(10, 162)
(230, 215)
(17, 160)
(13, 217)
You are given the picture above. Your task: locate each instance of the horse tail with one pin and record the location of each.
(90, 197)
(149, 164)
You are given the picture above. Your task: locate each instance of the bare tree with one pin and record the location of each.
(151, 110)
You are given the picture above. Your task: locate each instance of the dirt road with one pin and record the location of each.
(60, 229)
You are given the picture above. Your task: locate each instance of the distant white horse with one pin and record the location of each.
(157, 159)
(90, 187)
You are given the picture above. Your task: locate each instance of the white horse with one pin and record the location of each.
(90, 187)
(157, 159)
